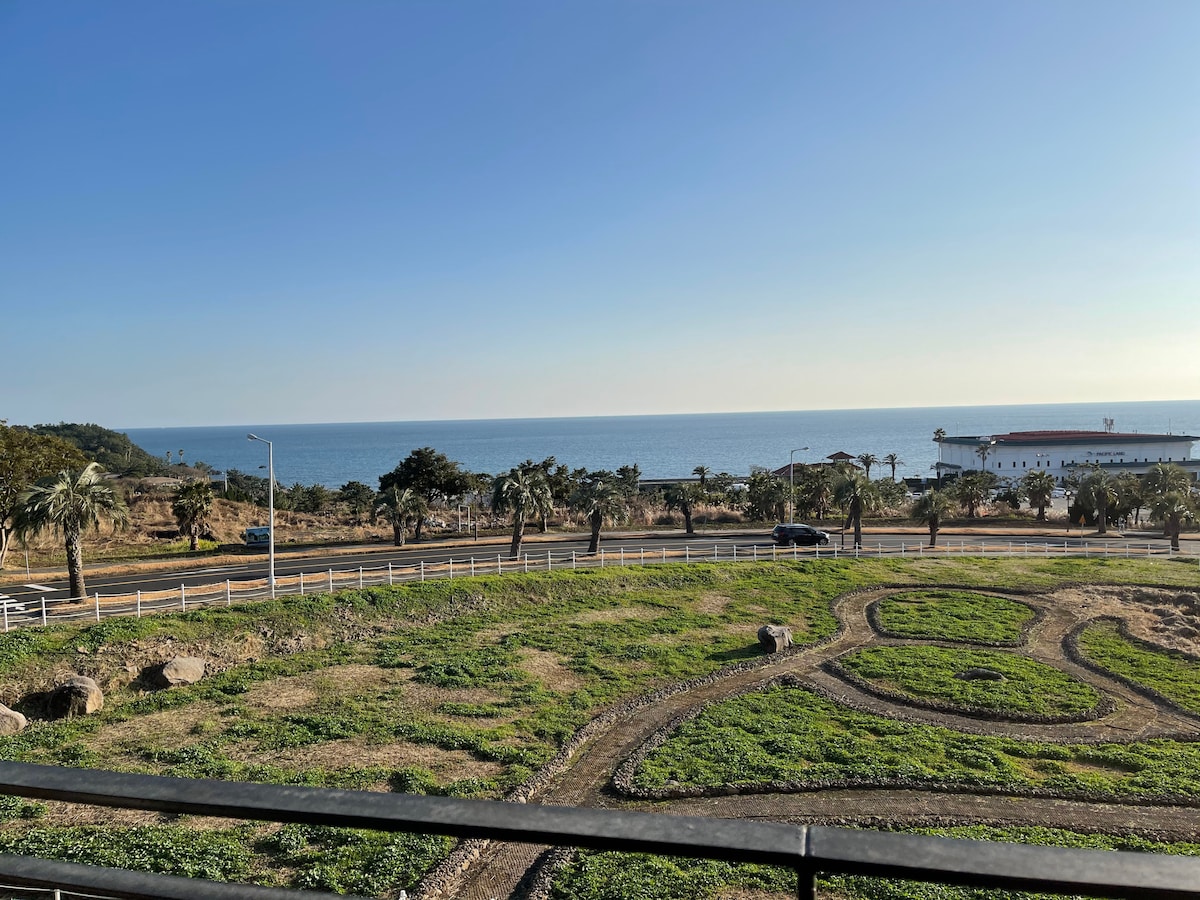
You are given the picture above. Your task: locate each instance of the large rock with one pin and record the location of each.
(11, 721)
(183, 670)
(774, 638)
(77, 696)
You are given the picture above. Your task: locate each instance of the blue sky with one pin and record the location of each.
(223, 212)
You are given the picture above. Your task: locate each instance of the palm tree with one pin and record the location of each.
(682, 497)
(1161, 480)
(893, 460)
(70, 502)
(816, 492)
(1039, 487)
(867, 460)
(983, 451)
(599, 499)
(939, 434)
(971, 490)
(1173, 507)
(191, 506)
(855, 494)
(1098, 490)
(702, 472)
(929, 509)
(522, 491)
(401, 507)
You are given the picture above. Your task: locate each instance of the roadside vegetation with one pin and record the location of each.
(425, 495)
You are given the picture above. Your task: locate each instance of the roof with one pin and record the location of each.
(841, 456)
(1070, 437)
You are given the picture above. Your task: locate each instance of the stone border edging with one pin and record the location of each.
(1103, 707)
(623, 778)
(1075, 654)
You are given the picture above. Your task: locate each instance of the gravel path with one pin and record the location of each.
(500, 867)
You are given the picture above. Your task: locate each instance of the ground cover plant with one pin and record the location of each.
(597, 875)
(924, 673)
(460, 687)
(1174, 675)
(954, 616)
(785, 733)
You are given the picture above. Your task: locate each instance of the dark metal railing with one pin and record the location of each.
(807, 849)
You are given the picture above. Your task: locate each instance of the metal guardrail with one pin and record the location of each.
(808, 850)
(16, 614)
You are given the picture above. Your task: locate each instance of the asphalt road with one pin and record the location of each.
(488, 554)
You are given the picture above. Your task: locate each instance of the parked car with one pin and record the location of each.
(800, 535)
(1058, 494)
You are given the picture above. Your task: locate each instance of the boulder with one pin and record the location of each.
(183, 670)
(773, 638)
(11, 721)
(77, 696)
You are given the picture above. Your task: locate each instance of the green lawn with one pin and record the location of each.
(927, 673)
(1174, 675)
(595, 875)
(785, 733)
(954, 616)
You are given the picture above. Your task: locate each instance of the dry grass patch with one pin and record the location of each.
(1167, 618)
(713, 604)
(550, 670)
(615, 614)
(359, 753)
(167, 729)
(300, 691)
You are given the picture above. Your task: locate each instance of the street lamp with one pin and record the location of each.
(792, 484)
(270, 509)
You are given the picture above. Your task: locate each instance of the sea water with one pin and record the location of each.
(662, 446)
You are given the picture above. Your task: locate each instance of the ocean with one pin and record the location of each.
(662, 446)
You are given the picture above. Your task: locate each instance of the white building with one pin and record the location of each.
(1060, 453)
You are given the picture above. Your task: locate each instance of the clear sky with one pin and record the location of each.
(224, 212)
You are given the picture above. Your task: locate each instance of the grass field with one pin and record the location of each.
(466, 687)
(927, 673)
(962, 616)
(1174, 675)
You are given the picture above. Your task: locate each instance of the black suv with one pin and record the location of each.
(800, 535)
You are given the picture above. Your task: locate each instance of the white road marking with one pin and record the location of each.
(40, 587)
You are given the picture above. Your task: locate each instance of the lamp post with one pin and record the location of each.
(270, 509)
(792, 484)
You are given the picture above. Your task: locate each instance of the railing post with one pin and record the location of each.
(331, 581)
(301, 584)
(138, 604)
(472, 567)
(526, 562)
(43, 610)
(735, 552)
(714, 552)
(423, 569)
(602, 557)
(901, 548)
(548, 565)
(227, 598)
(687, 556)
(664, 553)
(390, 582)
(360, 581)
(642, 551)
(98, 604)
(6, 618)
(451, 561)
(182, 598)
(572, 559)
(499, 565)
(621, 551)
(754, 551)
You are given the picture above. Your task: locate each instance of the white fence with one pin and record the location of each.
(17, 613)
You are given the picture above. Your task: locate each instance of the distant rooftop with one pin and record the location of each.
(1071, 437)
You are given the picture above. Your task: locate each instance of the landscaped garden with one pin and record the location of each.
(469, 687)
